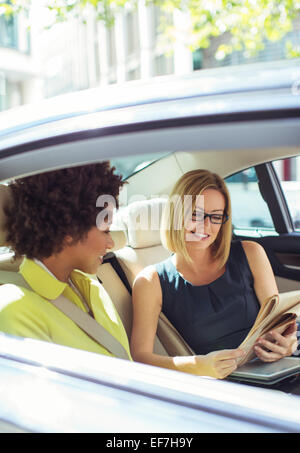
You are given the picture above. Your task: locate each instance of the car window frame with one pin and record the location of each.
(272, 193)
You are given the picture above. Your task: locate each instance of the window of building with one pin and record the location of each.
(133, 74)
(197, 59)
(111, 47)
(111, 53)
(272, 51)
(132, 33)
(163, 65)
(2, 91)
(8, 31)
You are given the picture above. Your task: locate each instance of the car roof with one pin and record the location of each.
(228, 85)
(207, 111)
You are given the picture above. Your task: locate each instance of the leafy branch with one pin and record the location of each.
(245, 25)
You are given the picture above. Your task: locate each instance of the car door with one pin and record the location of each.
(266, 209)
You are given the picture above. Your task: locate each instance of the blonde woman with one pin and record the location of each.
(210, 288)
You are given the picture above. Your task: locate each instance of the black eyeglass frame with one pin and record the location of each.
(225, 218)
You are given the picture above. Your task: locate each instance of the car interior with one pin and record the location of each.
(145, 192)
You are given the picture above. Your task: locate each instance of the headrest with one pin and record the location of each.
(142, 221)
(119, 237)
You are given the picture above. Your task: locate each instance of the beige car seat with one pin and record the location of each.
(141, 221)
(143, 247)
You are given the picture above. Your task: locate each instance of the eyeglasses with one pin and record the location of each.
(216, 219)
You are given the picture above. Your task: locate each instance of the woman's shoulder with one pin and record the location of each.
(155, 269)
(252, 248)
(19, 304)
(13, 295)
(151, 275)
(146, 276)
(252, 251)
(249, 247)
(146, 286)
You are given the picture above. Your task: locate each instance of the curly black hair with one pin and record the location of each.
(49, 206)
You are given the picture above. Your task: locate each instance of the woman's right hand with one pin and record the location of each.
(219, 364)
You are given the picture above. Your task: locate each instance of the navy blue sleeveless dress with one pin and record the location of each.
(214, 316)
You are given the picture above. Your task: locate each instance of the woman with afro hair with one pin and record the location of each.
(54, 224)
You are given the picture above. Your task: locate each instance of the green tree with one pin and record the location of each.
(244, 24)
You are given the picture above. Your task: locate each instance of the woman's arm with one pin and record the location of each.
(147, 304)
(264, 281)
(275, 346)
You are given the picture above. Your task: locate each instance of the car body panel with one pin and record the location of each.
(220, 81)
(213, 137)
(213, 110)
(51, 388)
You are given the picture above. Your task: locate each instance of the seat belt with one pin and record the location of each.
(111, 258)
(163, 322)
(78, 316)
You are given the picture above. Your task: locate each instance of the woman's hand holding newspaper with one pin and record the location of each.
(273, 346)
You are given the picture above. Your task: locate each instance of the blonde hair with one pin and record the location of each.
(194, 183)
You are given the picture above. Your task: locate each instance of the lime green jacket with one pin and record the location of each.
(30, 314)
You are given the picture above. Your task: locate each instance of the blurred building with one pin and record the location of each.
(20, 78)
(78, 55)
(136, 48)
(83, 54)
(75, 55)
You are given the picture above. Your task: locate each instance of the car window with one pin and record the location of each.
(126, 166)
(129, 165)
(4, 250)
(250, 213)
(288, 172)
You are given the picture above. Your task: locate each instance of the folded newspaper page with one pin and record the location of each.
(276, 313)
